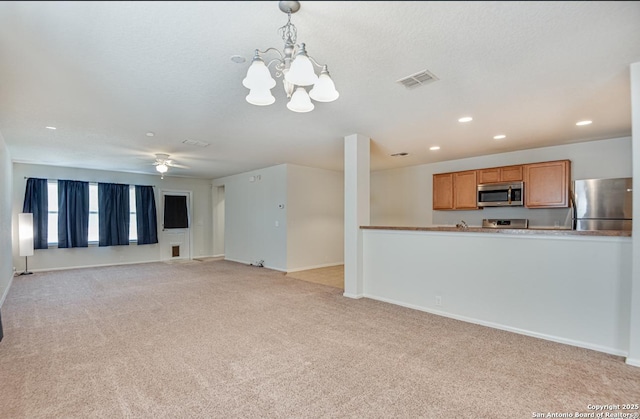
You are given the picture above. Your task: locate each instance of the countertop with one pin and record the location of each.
(549, 231)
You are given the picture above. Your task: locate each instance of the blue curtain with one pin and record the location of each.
(73, 213)
(113, 214)
(36, 201)
(147, 223)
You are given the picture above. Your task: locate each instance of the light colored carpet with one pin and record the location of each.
(223, 340)
(332, 276)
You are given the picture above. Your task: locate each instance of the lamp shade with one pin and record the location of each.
(301, 71)
(258, 76)
(25, 233)
(300, 101)
(324, 90)
(162, 168)
(260, 97)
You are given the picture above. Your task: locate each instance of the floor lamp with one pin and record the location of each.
(25, 236)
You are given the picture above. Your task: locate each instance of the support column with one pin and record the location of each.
(356, 210)
(634, 322)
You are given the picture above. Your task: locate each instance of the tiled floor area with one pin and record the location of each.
(332, 276)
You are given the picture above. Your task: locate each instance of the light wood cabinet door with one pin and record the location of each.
(465, 190)
(546, 185)
(443, 191)
(500, 174)
(489, 175)
(511, 174)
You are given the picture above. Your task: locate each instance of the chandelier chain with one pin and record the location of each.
(289, 31)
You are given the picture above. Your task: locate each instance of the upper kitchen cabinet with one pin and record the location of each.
(455, 190)
(500, 174)
(546, 184)
(465, 190)
(443, 191)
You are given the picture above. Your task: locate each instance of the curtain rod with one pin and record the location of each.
(27, 177)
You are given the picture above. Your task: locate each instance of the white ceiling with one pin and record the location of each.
(105, 73)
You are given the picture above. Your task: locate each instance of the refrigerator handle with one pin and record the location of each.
(574, 211)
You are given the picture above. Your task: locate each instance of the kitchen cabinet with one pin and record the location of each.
(443, 191)
(465, 189)
(500, 174)
(455, 190)
(546, 184)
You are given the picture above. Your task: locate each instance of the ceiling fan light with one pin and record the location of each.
(301, 71)
(300, 101)
(162, 168)
(324, 90)
(260, 97)
(258, 75)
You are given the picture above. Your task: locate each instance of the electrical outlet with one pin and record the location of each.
(438, 300)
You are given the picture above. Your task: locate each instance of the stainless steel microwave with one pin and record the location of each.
(501, 194)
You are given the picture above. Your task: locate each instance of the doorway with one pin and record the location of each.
(176, 225)
(218, 221)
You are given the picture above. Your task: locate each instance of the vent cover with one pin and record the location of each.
(196, 143)
(420, 78)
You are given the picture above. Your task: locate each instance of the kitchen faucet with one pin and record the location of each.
(462, 225)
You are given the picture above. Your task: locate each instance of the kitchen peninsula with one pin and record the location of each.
(519, 231)
(561, 285)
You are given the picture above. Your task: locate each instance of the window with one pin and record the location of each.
(133, 225)
(52, 230)
(93, 213)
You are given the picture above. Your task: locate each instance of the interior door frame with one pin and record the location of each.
(189, 196)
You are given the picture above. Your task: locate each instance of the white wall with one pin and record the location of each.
(218, 220)
(567, 289)
(315, 218)
(403, 197)
(251, 212)
(53, 258)
(6, 185)
(634, 346)
(289, 216)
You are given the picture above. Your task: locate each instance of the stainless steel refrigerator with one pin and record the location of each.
(602, 204)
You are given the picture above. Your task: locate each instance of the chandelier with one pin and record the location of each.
(296, 69)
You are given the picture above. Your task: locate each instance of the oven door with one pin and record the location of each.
(501, 194)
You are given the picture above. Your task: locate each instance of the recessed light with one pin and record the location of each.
(465, 119)
(400, 154)
(499, 137)
(238, 59)
(150, 134)
(51, 128)
(434, 148)
(586, 122)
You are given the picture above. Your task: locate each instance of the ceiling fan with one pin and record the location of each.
(163, 163)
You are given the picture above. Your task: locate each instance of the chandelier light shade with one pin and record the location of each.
(260, 97)
(301, 71)
(324, 90)
(300, 101)
(162, 168)
(258, 76)
(295, 67)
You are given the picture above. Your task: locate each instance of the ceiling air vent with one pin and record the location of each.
(418, 79)
(196, 143)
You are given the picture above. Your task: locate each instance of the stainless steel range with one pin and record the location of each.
(507, 223)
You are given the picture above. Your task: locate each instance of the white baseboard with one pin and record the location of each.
(354, 296)
(6, 291)
(633, 362)
(306, 268)
(499, 326)
(244, 262)
(64, 268)
(217, 256)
